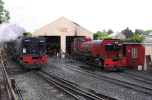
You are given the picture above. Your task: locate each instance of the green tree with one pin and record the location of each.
(109, 31)
(137, 38)
(147, 32)
(104, 31)
(99, 33)
(29, 34)
(4, 14)
(139, 31)
(128, 33)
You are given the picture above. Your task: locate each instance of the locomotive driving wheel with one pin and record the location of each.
(75, 57)
(101, 64)
(21, 62)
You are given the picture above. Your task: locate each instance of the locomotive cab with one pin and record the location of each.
(28, 51)
(33, 52)
(107, 53)
(115, 46)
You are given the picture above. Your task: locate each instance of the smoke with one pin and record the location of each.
(10, 31)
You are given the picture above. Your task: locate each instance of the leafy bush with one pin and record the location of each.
(138, 39)
(29, 34)
(123, 39)
(106, 37)
(135, 38)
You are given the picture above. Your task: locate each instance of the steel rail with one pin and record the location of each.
(69, 86)
(74, 85)
(146, 80)
(49, 80)
(138, 76)
(115, 81)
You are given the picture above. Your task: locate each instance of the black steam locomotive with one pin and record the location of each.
(28, 51)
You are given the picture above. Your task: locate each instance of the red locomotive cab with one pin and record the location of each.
(110, 52)
(112, 48)
(106, 48)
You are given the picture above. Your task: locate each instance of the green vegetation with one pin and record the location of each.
(139, 31)
(106, 37)
(137, 38)
(10, 79)
(99, 33)
(147, 32)
(109, 31)
(128, 33)
(29, 34)
(104, 34)
(4, 14)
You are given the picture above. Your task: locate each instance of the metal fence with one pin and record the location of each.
(11, 87)
(10, 91)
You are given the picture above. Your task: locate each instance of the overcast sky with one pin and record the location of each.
(93, 15)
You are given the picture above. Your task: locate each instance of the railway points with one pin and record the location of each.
(65, 63)
(70, 88)
(71, 65)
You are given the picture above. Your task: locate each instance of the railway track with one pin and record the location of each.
(145, 80)
(76, 91)
(143, 89)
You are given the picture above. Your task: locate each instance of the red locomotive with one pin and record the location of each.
(28, 51)
(107, 53)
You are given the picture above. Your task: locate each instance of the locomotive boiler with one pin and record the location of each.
(28, 51)
(107, 53)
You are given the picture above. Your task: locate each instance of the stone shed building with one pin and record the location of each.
(61, 32)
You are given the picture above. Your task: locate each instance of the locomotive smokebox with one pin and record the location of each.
(25, 34)
(95, 37)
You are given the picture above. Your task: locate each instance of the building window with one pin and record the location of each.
(134, 52)
(63, 29)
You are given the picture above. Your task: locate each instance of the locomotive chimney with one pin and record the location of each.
(25, 34)
(95, 37)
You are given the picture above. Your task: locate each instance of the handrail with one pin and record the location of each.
(10, 91)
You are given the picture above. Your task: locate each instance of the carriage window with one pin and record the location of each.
(134, 52)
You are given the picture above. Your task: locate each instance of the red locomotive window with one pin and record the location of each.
(134, 52)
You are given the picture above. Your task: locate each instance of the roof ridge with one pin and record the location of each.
(66, 19)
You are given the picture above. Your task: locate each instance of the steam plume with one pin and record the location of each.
(10, 31)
